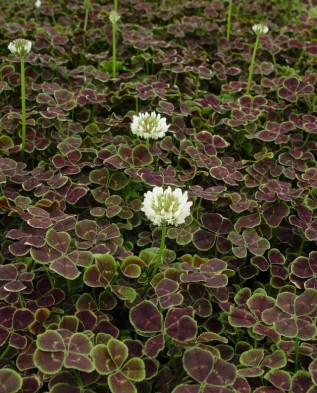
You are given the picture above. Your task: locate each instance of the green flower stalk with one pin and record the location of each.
(87, 5)
(229, 20)
(259, 30)
(22, 47)
(164, 207)
(114, 17)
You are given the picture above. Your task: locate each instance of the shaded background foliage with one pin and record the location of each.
(233, 307)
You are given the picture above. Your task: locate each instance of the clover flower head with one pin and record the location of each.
(170, 206)
(149, 125)
(260, 29)
(38, 3)
(20, 47)
(114, 16)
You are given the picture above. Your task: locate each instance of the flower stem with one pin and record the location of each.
(86, 20)
(159, 258)
(115, 5)
(229, 20)
(49, 277)
(114, 49)
(296, 354)
(23, 107)
(252, 63)
(21, 299)
(5, 352)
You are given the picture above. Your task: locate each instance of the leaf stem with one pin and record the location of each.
(86, 20)
(21, 300)
(301, 247)
(5, 352)
(229, 20)
(252, 63)
(49, 277)
(159, 258)
(296, 354)
(23, 107)
(114, 49)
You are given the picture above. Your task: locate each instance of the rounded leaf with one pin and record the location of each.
(10, 381)
(134, 369)
(198, 363)
(146, 318)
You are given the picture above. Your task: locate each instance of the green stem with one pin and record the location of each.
(23, 107)
(301, 247)
(49, 277)
(114, 50)
(115, 5)
(69, 288)
(200, 200)
(296, 354)
(86, 20)
(5, 352)
(197, 89)
(137, 105)
(229, 20)
(21, 299)
(306, 140)
(147, 67)
(53, 19)
(159, 259)
(170, 350)
(252, 63)
(175, 79)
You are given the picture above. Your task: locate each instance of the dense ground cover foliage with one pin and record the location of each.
(91, 300)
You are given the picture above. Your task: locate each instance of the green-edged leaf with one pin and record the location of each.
(65, 268)
(58, 240)
(10, 381)
(118, 351)
(102, 360)
(118, 383)
(252, 358)
(50, 341)
(146, 318)
(279, 378)
(134, 369)
(276, 360)
(198, 363)
(49, 362)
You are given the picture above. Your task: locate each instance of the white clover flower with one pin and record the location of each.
(20, 47)
(114, 16)
(167, 206)
(38, 3)
(260, 29)
(148, 125)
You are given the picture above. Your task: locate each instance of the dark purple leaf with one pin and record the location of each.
(146, 318)
(11, 382)
(134, 369)
(198, 363)
(154, 345)
(241, 318)
(118, 383)
(184, 329)
(279, 378)
(223, 373)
